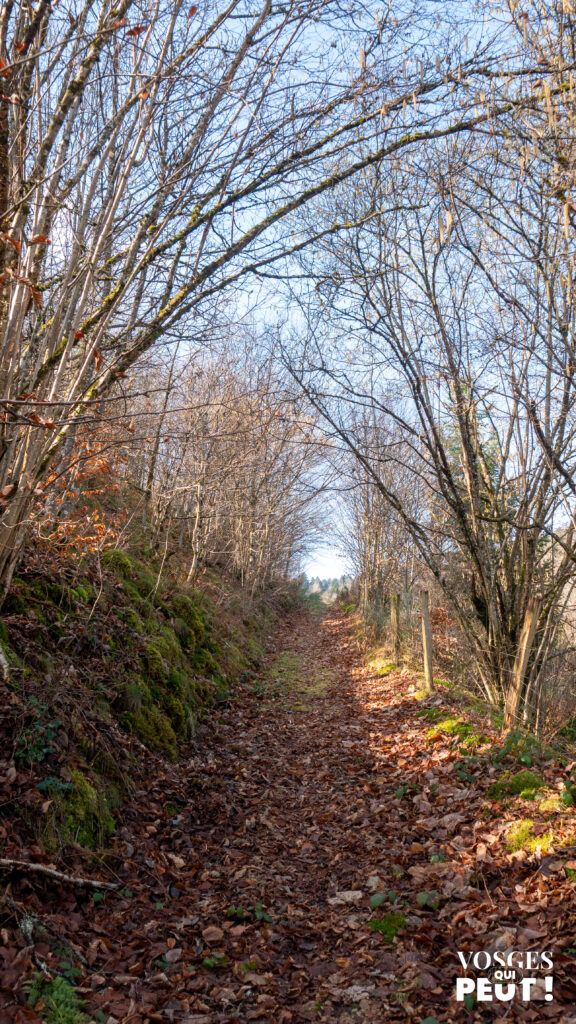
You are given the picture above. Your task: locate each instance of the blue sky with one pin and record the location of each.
(325, 562)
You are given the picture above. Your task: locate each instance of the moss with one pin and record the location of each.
(191, 613)
(155, 731)
(132, 592)
(43, 662)
(131, 696)
(20, 598)
(523, 784)
(14, 659)
(380, 663)
(255, 651)
(185, 635)
(82, 593)
(519, 835)
(452, 725)
(178, 683)
(203, 662)
(154, 661)
(389, 926)
(120, 561)
(86, 813)
(167, 642)
(55, 593)
(132, 619)
(551, 805)
(475, 739)
(177, 714)
(107, 767)
(130, 570)
(430, 714)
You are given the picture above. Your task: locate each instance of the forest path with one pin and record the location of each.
(249, 869)
(299, 808)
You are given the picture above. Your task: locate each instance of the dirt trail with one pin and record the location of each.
(252, 866)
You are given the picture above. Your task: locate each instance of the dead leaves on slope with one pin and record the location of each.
(248, 871)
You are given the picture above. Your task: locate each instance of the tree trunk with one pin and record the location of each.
(13, 529)
(395, 618)
(427, 642)
(517, 687)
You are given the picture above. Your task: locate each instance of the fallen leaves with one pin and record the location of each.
(342, 898)
(212, 935)
(255, 865)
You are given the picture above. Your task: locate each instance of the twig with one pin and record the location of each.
(24, 865)
(29, 922)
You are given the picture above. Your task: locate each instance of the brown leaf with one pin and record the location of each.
(16, 245)
(346, 896)
(212, 934)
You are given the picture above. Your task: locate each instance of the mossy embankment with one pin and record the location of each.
(112, 663)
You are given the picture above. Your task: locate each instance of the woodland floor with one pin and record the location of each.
(248, 870)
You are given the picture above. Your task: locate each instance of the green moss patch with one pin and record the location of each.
(382, 666)
(131, 570)
(454, 726)
(430, 714)
(520, 836)
(154, 730)
(523, 784)
(80, 811)
(388, 926)
(552, 805)
(155, 656)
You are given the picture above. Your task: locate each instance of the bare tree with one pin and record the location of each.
(457, 306)
(238, 469)
(372, 535)
(150, 155)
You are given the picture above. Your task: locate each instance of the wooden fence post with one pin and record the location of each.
(427, 641)
(395, 618)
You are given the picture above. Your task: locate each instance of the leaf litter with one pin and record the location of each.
(249, 872)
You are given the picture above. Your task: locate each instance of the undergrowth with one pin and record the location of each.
(114, 648)
(55, 999)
